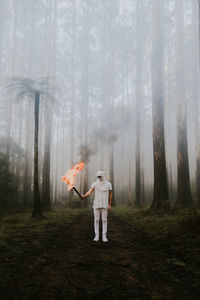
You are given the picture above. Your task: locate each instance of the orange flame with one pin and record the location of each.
(70, 176)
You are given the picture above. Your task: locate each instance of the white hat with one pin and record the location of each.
(101, 173)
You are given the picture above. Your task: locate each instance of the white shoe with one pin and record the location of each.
(96, 239)
(104, 239)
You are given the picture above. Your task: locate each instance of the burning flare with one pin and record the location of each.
(70, 176)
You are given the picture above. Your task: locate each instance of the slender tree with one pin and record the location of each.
(29, 70)
(33, 89)
(51, 69)
(195, 91)
(160, 197)
(27, 165)
(111, 90)
(73, 88)
(184, 196)
(85, 63)
(13, 67)
(139, 67)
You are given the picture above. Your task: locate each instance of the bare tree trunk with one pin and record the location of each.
(160, 197)
(73, 99)
(85, 92)
(51, 69)
(27, 191)
(111, 96)
(184, 196)
(112, 173)
(56, 164)
(27, 165)
(139, 68)
(18, 175)
(130, 196)
(196, 18)
(10, 99)
(36, 200)
(46, 202)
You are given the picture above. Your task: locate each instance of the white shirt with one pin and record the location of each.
(101, 197)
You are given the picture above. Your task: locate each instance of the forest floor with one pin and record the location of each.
(148, 256)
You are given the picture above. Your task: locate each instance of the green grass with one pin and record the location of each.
(14, 226)
(158, 224)
(175, 233)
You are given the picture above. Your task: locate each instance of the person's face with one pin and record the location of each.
(100, 178)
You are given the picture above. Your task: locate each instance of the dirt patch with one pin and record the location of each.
(64, 263)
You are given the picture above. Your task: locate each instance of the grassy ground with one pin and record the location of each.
(175, 233)
(16, 228)
(148, 256)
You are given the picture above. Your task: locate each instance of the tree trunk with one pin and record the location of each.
(10, 98)
(50, 61)
(56, 162)
(28, 166)
(112, 173)
(18, 158)
(46, 202)
(184, 196)
(85, 93)
(36, 200)
(139, 68)
(73, 99)
(160, 196)
(130, 198)
(195, 89)
(111, 94)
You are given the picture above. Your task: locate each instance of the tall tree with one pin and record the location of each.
(25, 87)
(195, 89)
(9, 116)
(139, 67)
(85, 62)
(184, 196)
(160, 197)
(27, 193)
(111, 90)
(73, 88)
(51, 70)
(29, 71)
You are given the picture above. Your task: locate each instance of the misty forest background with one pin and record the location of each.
(115, 83)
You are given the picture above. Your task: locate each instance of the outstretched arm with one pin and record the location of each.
(88, 193)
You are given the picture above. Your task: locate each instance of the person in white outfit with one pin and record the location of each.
(103, 195)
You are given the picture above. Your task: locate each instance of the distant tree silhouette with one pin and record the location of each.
(33, 89)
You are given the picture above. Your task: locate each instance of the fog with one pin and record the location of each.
(117, 85)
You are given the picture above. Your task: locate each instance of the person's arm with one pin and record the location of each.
(88, 193)
(110, 199)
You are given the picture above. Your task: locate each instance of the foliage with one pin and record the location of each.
(157, 224)
(16, 151)
(27, 87)
(8, 188)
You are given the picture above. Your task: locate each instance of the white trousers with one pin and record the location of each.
(103, 212)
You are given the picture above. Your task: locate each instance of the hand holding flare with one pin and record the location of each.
(70, 176)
